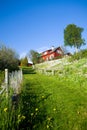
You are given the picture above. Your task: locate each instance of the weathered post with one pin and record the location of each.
(6, 80)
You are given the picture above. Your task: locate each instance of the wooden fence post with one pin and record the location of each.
(6, 80)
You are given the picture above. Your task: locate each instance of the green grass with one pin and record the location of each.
(9, 112)
(47, 103)
(54, 103)
(1, 77)
(28, 70)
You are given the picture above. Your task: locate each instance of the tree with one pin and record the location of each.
(8, 59)
(34, 56)
(73, 37)
(24, 61)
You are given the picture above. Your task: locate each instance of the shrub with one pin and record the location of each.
(8, 59)
(24, 61)
(79, 55)
(84, 53)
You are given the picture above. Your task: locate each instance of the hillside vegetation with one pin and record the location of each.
(1, 77)
(65, 66)
(49, 102)
(54, 102)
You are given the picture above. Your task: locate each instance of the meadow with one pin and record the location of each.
(54, 102)
(47, 102)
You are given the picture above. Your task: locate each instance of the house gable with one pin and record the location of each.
(52, 53)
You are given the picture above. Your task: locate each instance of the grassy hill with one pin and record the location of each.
(65, 67)
(55, 102)
(50, 102)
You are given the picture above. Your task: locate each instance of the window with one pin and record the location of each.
(59, 51)
(51, 56)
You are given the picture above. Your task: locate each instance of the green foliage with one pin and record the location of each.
(73, 37)
(28, 70)
(34, 56)
(9, 112)
(84, 53)
(1, 77)
(47, 102)
(24, 61)
(79, 55)
(54, 103)
(8, 59)
(74, 57)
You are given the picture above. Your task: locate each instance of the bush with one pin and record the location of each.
(8, 59)
(24, 61)
(79, 55)
(84, 53)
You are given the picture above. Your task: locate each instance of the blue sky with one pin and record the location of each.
(39, 24)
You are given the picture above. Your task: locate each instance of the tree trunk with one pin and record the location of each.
(76, 49)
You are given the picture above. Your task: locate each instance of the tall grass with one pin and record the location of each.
(54, 103)
(9, 110)
(1, 77)
(46, 103)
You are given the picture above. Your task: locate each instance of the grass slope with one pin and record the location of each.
(64, 67)
(54, 103)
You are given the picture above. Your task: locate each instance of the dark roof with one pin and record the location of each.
(51, 50)
(54, 49)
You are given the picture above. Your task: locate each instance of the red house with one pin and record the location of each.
(52, 53)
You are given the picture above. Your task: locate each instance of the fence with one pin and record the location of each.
(53, 72)
(12, 80)
(15, 79)
(47, 71)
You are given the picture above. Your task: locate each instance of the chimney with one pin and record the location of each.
(52, 48)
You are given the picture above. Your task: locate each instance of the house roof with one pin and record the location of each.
(51, 50)
(55, 49)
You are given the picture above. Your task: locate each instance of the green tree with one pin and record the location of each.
(8, 59)
(34, 56)
(24, 61)
(73, 37)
